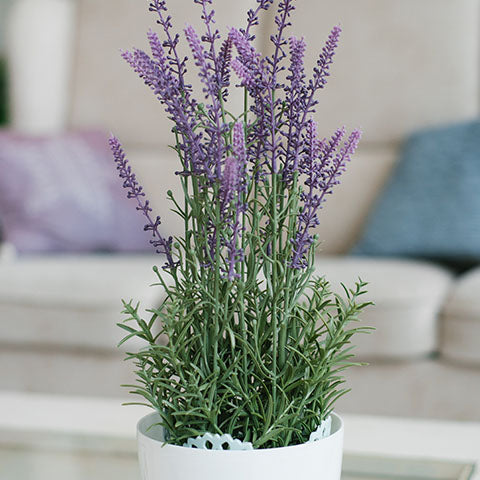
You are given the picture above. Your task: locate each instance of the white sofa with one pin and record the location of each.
(403, 64)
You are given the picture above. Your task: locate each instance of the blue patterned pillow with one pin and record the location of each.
(431, 206)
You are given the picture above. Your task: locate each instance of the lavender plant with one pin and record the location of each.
(255, 342)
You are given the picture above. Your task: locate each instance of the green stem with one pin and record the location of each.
(274, 283)
(290, 273)
(242, 283)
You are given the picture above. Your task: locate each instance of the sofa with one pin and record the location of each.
(402, 65)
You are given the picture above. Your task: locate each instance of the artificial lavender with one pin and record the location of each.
(135, 191)
(254, 184)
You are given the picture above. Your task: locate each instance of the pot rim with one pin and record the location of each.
(142, 435)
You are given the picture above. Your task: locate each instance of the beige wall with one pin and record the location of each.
(402, 64)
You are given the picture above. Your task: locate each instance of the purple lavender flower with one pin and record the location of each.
(135, 191)
(230, 181)
(322, 176)
(295, 97)
(253, 14)
(230, 194)
(282, 21)
(322, 70)
(251, 70)
(230, 189)
(302, 99)
(177, 65)
(216, 147)
(162, 80)
(243, 73)
(317, 161)
(224, 64)
(273, 144)
(297, 70)
(248, 65)
(342, 159)
(201, 61)
(240, 153)
(233, 186)
(277, 137)
(246, 50)
(210, 37)
(307, 219)
(313, 147)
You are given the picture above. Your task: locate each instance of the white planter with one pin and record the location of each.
(40, 44)
(320, 460)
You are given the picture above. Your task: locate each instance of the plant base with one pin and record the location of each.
(319, 459)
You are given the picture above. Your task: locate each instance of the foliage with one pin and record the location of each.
(253, 342)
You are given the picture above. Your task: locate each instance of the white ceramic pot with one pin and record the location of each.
(320, 460)
(40, 44)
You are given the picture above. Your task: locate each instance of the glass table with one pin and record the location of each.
(367, 467)
(70, 460)
(43, 437)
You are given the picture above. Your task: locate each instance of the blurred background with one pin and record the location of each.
(406, 217)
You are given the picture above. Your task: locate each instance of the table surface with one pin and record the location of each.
(107, 425)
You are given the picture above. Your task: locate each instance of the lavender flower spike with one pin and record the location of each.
(297, 53)
(323, 174)
(322, 70)
(240, 153)
(230, 181)
(230, 190)
(135, 191)
(253, 16)
(224, 62)
(243, 73)
(248, 65)
(239, 142)
(248, 54)
(201, 62)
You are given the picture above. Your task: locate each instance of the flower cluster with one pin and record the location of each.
(134, 190)
(279, 128)
(254, 183)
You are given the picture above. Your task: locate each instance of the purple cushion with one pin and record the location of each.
(63, 194)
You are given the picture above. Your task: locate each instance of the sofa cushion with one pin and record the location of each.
(414, 217)
(408, 296)
(72, 301)
(61, 193)
(76, 301)
(460, 333)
